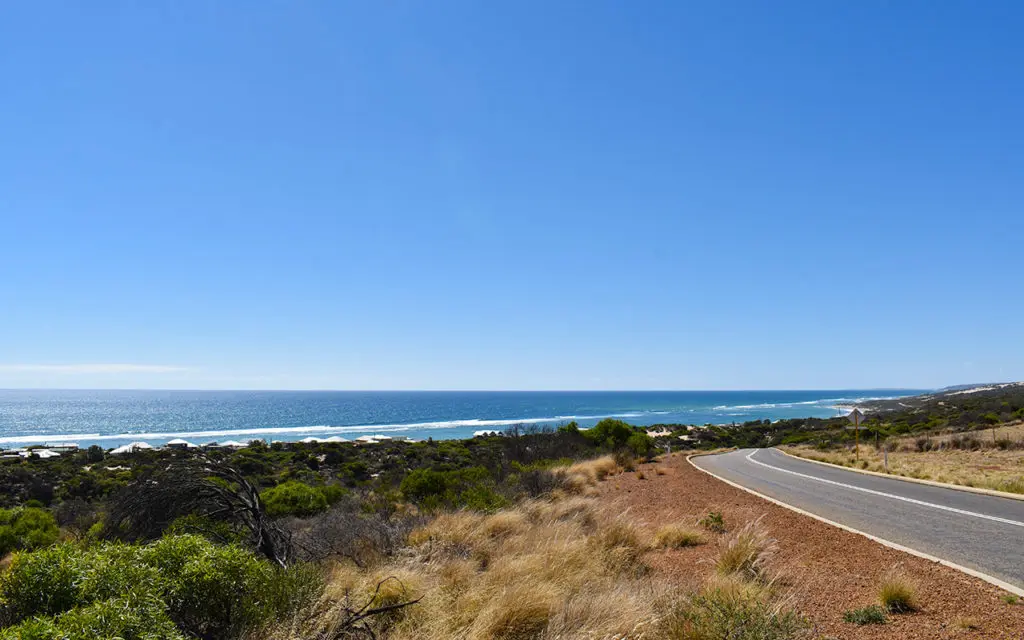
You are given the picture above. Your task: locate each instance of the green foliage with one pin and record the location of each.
(333, 493)
(217, 531)
(570, 427)
(218, 591)
(124, 618)
(720, 613)
(26, 528)
(44, 582)
(872, 614)
(713, 522)
(147, 592)
(294, 498)
(433, 489)
(640, 444)
(610, 433)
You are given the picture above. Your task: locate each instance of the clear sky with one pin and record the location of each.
(520, 195)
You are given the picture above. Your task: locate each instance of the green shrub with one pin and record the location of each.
(129, 591)
(117, 618)
(293, 589)
(570, 427)
(610, 432)
(333, 493)
(872, 614)
(432, 489)
(218, 531)
(720, 613)
(26, 528)
(713, 522)
(481, 497)
(115, 570)
(640, 444)
(44, 582)
(219, 591)
(294, 498)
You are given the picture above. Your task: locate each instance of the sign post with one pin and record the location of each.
(855, 417)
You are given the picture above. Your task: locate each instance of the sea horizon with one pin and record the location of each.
(114, 417)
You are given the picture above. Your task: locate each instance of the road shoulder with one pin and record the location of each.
(930, 483)
(828, 569)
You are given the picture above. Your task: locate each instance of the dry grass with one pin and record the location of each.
(675, 536)
(897, 593)
(734, 608)
(557, 569)
(746, 552)
(582, 477)
(987, 468)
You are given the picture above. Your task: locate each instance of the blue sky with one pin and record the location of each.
(518, 195)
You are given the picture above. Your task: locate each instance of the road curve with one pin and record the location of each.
(980, 532)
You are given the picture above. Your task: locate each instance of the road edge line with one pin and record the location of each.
(931, 483)
(1005, 586)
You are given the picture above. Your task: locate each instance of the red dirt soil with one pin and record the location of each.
(826, 570)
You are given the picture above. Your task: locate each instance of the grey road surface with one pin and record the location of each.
(984, 533)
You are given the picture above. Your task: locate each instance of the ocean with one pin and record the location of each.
(114, 418)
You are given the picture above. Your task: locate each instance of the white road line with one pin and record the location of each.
(922, 503)
(1002, 584)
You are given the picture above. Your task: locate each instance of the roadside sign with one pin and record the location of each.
(855, 417)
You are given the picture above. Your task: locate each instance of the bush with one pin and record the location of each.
(294, 498)
(640, 444)
(26, 528)
(128, 591)
(472, 487)
(873, 614)
(713, 522)
(610, 433)
(731, 612)
(44, 582)
(121, 618)
(218, 591)
(571, 427)
(219, 531)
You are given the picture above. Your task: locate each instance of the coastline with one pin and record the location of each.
(113, 419)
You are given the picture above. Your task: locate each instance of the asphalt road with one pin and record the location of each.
(984, 533)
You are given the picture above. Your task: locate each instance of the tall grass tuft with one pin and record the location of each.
(734, 609)
(897, 593)
(675, 536)
(746, 552)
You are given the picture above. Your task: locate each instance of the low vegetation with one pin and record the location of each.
(26, 528)
(871, 614)
(494, 537)
(713, 522)
(176, 587)
(675, 536)
(985, 460)
(897, 593)
(747, 552)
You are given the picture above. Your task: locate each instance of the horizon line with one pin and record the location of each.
(513, 390)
